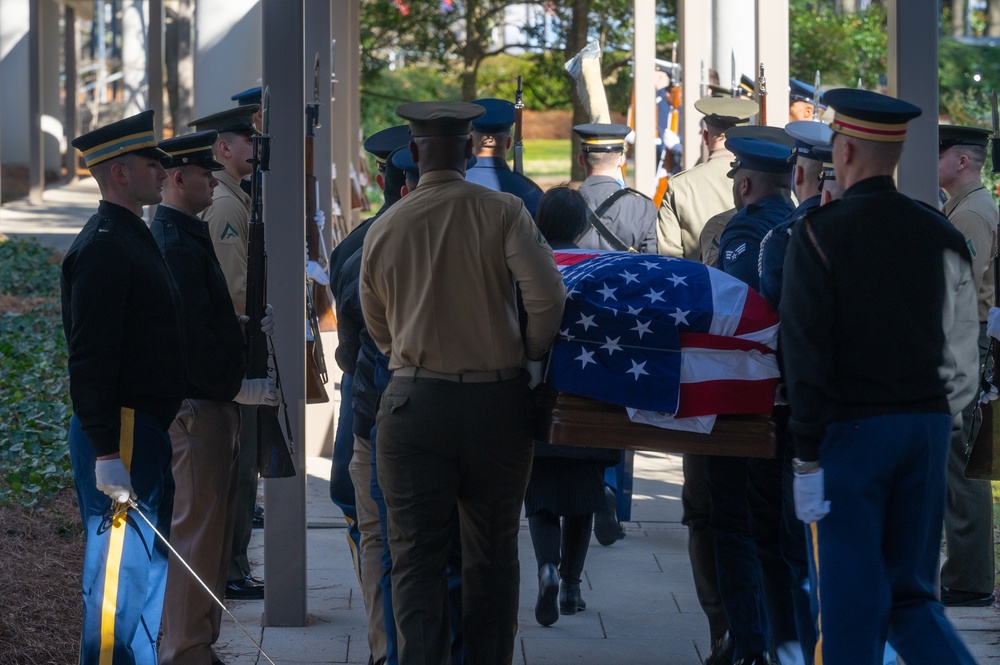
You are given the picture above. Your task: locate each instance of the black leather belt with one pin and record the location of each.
(490, 376)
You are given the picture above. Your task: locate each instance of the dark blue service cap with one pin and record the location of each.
(382, 143)
(132, 134)
(808, 135)
(439, 118)
(949, 135)
(191, 149)
(403, 160)
(869, 115)
(762, 132)
(799, 91)
(248, 96)
(602, 136)
(498, 118)
(758, 155)
(238, 120)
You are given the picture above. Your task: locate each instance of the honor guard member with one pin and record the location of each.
(627, 217)
(746, 493)
(205, 432)
(228, 221)
(967, 575)
(249, 97)
(491, 141)
(351, 473)
(880, 355)
(668, 144)
(803, 100)
(121, 317)
(697, 194)
(454, 424)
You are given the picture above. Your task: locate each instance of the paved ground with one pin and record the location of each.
(641, 605)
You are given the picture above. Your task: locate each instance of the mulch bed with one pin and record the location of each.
(41, 559)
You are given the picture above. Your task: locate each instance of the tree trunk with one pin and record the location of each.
(993, 13)
(847, 6)
(472, 52)
(575, 41)
(957, 18)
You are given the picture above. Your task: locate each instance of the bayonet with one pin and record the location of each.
(816, 97)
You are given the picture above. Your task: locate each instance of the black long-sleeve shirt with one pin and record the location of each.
(121, 319)
(215, 362)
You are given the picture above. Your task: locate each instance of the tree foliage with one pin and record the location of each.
(842, 46)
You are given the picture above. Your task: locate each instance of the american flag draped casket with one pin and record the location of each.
(654, 339)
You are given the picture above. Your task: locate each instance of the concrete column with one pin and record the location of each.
(154, 69)
(772, 50)
(644, 51)
(731, 36)
(70, 120)
(353, 81)
(135, 42)
(694, 52)
(321, 419)
(284, 217)
(227, 53)
(36, 170)
(912, 74)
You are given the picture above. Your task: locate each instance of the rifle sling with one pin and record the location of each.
(594, 217)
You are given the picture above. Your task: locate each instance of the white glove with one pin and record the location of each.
(267, 321)
(536, 368)
(113, 479)
(807, 489)
(987, 397)
(993, 323)
(315, 272)
(257, 391)
(320, 219)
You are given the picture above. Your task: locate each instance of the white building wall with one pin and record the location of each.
(227, 52)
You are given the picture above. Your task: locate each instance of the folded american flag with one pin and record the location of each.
(662, 334)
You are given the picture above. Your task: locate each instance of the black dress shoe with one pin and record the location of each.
(570, 600)
(546, 612)
(245, 589)
(958, 598)
(722, 651)
(607, 528)
(756, 659)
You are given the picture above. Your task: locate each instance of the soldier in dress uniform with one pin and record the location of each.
(628, 217)
(491, 141)
(803, 100)
(967, 576)
(228, 221)
(695, 195)
(880, 355)
(122, 321)
(205, 432)
(454, 423)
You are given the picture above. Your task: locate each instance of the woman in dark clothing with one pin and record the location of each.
(566, 481)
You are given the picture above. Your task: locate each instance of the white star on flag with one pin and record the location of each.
(565, 334)
(588, 357)
(630, 277)
(587, 321)
(634, 311)
(637, 369)
(607, 292)
(642, 328)
(654, 296)
(677, 280)
(649, 265)
(680, 317)
(611, 345)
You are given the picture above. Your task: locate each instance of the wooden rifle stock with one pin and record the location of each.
(315, 250)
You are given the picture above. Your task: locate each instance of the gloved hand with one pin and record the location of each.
(267, 321)
(536, 368)
(987, 397)
(315, 272)
(320, 219)
(993, 323)
(257, 391)
(807, 489)
(113, 479)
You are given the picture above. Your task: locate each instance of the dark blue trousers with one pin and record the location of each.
(341, 485)
(125, 564)
(876, 554)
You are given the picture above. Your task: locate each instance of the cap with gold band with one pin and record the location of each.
(381, 144)
(191, 150)
(869, 115)
(602, 136)
(129, 135)
(439, 118)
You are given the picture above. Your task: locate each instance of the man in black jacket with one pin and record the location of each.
(205, 432)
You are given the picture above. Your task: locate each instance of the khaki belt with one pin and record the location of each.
(469, 377)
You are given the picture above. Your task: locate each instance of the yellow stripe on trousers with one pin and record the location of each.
(818, 655)
(116, 544)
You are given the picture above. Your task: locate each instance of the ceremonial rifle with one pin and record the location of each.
(319, 301)
(339, 229)
(983, 449)
(274, 456)
(519, 128)
(735, 88)
(816, 97)
(762, 97)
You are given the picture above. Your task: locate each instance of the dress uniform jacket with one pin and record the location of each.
(712, 234)
(974, 214)
(495, 174)
(229, 225)
(771, 262)
(692, 197)
(739, 246)
(121, 318)
(632, 218)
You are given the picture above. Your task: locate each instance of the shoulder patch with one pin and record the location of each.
(733, 254)
(105, 226)
(972, 247)
(229, 234)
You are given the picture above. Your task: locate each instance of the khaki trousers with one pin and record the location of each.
(204, 436)
(371, 546)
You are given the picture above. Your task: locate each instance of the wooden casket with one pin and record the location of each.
(577, 421)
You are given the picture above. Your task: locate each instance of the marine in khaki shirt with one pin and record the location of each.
(695, 195)
(972, 210)
(228, 221)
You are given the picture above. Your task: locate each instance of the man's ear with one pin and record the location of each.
(510, 142)
(468, 148)
(119, 172)
(800, 175)
(746, 185)
(222, 148)
(403, 191)
(380, 180)
(579, 159)
(414, 151)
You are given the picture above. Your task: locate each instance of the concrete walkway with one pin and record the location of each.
(641, 603)
(56, 222)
